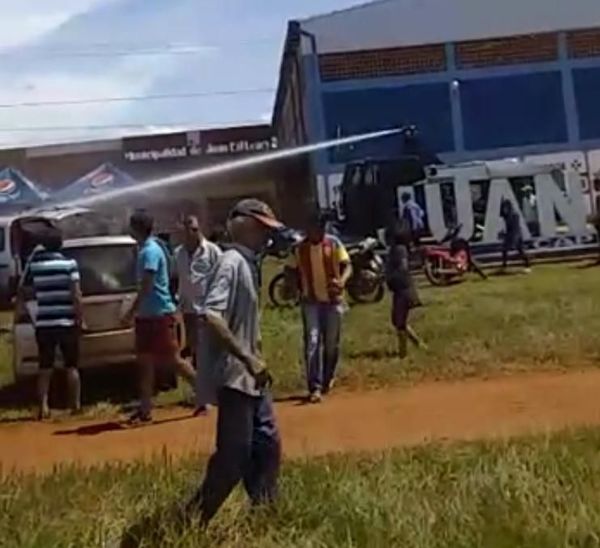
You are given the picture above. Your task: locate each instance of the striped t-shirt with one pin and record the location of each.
(52, 276)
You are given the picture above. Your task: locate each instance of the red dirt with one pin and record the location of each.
(346, 422)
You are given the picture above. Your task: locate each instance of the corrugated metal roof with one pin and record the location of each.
(389, 23)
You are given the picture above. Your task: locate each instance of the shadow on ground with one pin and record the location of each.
(116, 385)
(115, 426)
(373, 354)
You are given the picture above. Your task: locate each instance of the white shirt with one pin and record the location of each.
(193, 272)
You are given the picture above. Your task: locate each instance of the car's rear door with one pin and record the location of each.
(108, 284)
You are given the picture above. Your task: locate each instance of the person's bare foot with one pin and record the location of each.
(43, 413)
(200, 411)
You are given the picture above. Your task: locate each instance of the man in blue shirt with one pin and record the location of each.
(413, 217)
(154, 312)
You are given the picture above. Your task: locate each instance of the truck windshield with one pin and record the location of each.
(105, 269)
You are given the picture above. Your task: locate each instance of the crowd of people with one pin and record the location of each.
(218, 294)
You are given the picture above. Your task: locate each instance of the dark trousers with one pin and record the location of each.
(518, 245)
(248, 450)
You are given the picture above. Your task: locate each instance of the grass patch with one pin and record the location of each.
(536, 492)
(547, 320)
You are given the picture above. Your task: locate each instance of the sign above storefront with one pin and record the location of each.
(210, 143)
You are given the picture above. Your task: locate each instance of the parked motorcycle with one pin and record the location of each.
(282, 293)
(446, 264)
(366, 285)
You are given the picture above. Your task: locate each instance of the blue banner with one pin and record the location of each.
(106, 178)
(17, 190)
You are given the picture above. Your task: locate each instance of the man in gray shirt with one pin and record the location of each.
(234, 376)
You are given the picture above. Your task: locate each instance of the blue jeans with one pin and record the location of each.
(322, 330)
(248, 450)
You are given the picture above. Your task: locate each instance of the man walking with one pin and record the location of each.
(322, 266)
(248, 443)
(195, 260)
(513, 236)
(413, 217)
(154, 312)
(55, 281)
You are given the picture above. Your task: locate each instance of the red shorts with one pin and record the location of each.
(156, 336)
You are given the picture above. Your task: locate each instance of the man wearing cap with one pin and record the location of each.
(235, 376)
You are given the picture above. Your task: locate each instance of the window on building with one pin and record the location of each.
(513, 111)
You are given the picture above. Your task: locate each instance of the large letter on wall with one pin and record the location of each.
(500, 190)
(463, 204)
(570, 207)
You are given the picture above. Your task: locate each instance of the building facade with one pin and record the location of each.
(480, 80)
(283, 184)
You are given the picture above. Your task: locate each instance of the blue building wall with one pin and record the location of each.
(509, 111)
(362, 110)
(485, 113)
(587, 95)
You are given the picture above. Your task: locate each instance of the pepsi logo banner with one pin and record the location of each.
(7, 186)
(102, 179)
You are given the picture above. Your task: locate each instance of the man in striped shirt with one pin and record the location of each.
(55, 282)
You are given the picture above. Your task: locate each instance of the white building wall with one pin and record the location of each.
(396, 23)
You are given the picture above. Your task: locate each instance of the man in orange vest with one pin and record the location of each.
(322, 267)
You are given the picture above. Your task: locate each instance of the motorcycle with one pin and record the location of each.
(283, 293)
(366, 285)
(446, 264)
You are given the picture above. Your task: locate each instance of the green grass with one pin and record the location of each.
(537, 492)
(547, 320)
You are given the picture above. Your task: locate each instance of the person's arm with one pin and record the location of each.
(23, 293)
(336, 285)
(150, 263)
(217, 324)
(211, 313)
(345, 264)
(76, 294)
(144, 290)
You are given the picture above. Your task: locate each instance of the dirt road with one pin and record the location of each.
(473, 409)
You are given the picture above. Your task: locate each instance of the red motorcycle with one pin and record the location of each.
(446, 264)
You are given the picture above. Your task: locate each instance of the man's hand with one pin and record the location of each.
(258, 369)
(336, 286)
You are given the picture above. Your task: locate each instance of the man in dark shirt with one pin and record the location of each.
(512, 237)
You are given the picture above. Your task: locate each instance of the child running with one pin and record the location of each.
(402, 286)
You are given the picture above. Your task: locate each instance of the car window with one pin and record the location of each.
(105, 269)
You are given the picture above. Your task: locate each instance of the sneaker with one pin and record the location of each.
(139, 417)
(315, 397)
